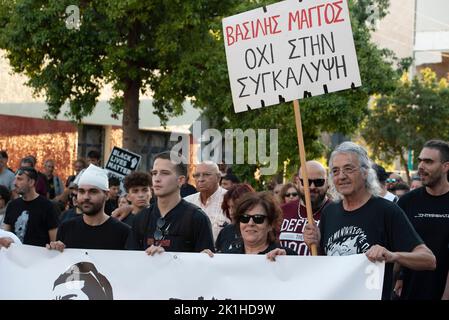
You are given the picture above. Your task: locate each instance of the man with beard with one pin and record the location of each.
(31, 217)
(295, 213)
(94, 229)
(428, 210)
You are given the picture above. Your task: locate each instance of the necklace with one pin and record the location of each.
(314, 213)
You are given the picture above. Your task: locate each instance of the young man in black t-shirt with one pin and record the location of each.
(361, 222)
(114, 192)
(137, 186)
(31, 217)
(171, 224)
(94, 229)
(428, 210)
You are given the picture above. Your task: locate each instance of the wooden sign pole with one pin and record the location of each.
(305, 177)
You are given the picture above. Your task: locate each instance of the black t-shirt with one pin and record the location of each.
(68, 214)
(69, 180)
(187, 190)
(129, 220)
(430, 217)
(31, 220)
(110, 205)
(378, 221)
(50, 188)
(111, 235)
(228, 238)
(272, 246)
(187, 229)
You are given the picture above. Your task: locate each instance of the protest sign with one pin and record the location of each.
(289, 50)
(30, 272)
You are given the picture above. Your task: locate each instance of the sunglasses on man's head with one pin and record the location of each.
(317, 182)
(257, 218)
(30, 172)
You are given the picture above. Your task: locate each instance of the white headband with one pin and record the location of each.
(94, 176)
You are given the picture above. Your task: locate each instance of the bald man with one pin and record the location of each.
(210, 196)
(295, 213)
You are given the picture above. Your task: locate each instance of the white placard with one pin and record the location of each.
(289, 50)
(29, 272)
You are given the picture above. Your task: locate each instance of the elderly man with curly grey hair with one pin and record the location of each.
(361, 221)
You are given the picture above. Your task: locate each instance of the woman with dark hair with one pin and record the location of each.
(228, 237)
(258, 218)
(289, 192)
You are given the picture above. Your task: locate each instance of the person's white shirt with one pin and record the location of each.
(7, 234)
(212, 208)
(390, 197)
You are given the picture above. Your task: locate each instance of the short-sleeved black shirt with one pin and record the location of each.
(430, 217)
(111, 235)
(378, 221)
(187, 229)
(31, 220)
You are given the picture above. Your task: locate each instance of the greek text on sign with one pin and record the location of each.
(122, 162)
(289, 50)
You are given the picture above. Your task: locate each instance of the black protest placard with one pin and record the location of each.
(122, 162)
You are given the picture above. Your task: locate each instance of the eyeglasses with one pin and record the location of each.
(317, 182)
(392, 180)
(160, 234)
(257, 218)
(346, 170)
(202, 174)
(293, 194)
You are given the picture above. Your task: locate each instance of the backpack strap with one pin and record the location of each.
(143, 227)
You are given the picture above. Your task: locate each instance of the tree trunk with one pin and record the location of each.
(130, 123)
(405, 166)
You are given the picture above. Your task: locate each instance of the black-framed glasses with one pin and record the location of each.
(257, 218)
(291, 194)
(317, 182)
(159, 233)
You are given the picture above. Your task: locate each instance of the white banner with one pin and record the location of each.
(289, 50)
(28, 272)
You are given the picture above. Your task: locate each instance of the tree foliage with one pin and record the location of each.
(417, 111)
(137, 46)
(173, 49)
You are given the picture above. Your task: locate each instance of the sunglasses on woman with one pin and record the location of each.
(257, 218)
(293, 194)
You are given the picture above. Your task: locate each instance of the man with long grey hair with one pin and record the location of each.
(359, 221)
